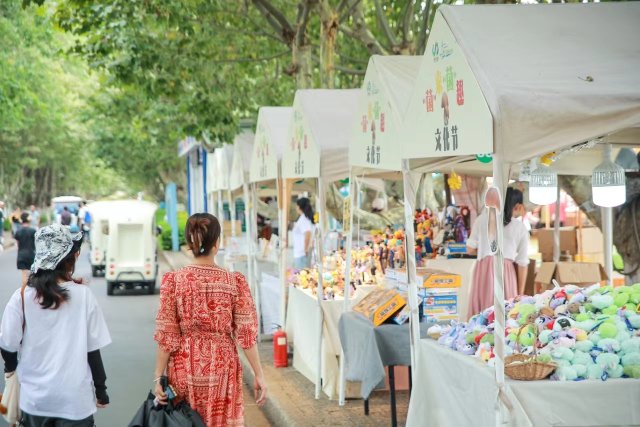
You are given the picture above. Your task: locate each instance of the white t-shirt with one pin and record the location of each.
(53, 370)
(301, 226)
(516, 240)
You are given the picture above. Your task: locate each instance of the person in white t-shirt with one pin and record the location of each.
(482, 243)
(302, 234)
(58, 328)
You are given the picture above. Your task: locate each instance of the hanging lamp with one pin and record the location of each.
(543, 186)
(608, 182)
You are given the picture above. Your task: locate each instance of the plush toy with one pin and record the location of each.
(610, 363)
(601, 302)
(595, 372)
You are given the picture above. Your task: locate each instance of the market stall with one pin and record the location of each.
(316, 138)
(223, 156)
(373, 144)
(270, 139)
(569, 98)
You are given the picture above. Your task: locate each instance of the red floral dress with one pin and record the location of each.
(205, 312)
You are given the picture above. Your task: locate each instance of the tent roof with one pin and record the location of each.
(382, 104)
(320, 129)
(241, 159)
(554, 88)
(271, 129)
(224, 156)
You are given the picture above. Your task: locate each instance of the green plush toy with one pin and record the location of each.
(581, 317)
(621, 299)
(608, 330)
(595, 372)
(635, 297)
(611, 364)
(545, 336)
(632, 371)
(487, 338)
(589, 307)
(524, 311)
(601, 301)
(584, 346)
(527, 338)
(611, 310)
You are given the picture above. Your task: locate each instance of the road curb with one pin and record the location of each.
(273, 409)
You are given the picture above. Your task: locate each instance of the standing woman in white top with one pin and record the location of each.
(515, 250)
(302, 230)
(61, 376)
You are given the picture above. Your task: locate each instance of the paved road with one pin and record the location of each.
(129, 360)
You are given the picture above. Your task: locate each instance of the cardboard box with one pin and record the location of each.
(529, 286)
(590, 240)
(568, 242)
(569, 273)
(441, 304)
(380, 304)
(402, 316)
(430, 278)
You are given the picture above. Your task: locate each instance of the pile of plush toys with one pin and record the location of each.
(365, 270)
(590, 333)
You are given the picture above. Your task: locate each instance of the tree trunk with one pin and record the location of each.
(328, 34)
(626, 219)
(303, 65)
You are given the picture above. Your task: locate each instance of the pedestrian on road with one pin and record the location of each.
(26, 240)
(58, 328)
(2, 218)
(35, 216)
(65, 217)
(16, 221)
(205, 313)
(81, 213)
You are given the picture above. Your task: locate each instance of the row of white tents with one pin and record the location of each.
(515, 81)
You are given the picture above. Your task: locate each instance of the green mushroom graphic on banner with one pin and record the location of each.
(453, 116)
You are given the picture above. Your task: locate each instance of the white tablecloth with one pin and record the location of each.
(302, 335)
(463, 267)
(457, 390)
(270, 301)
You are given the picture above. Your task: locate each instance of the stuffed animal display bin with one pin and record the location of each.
(590, 333)
(524, 367)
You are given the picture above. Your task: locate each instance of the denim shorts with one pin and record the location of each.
(36, 421)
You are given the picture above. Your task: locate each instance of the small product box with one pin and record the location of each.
(402, 316)
(440, 304)
(438, 279)
(380, 304)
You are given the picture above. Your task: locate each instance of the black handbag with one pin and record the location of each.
(170, 415)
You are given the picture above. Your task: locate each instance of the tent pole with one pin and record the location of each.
(607, 227)
(232, 212)
(409, 208)
(248, 220)
(499, 181)
(283, 207)
(556, 229)
(221, 217)
(320, 292)
(348, 235)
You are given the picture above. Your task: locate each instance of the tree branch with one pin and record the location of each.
(276, 19)
(361, 33)
(260, 59)
(406, 22)
(341, 68)
(385, 24)
(350, 10)
(304, 9)
(424, 29)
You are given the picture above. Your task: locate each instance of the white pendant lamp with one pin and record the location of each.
(608, 182)
(543, 186)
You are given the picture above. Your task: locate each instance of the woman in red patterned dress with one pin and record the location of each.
(205, 313)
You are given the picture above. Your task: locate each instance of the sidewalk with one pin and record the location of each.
(291, 396)
(8, 240)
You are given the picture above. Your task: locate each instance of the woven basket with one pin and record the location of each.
(527, 368)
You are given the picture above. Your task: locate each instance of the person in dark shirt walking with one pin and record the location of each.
(65, 217)
(26, 240)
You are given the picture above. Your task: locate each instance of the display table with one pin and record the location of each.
(455, 390)
(302, 335)
(462, 267)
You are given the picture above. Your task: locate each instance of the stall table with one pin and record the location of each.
(368, 349)
(454, 390)
(302, 335)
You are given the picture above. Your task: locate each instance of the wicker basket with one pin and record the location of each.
(527, 368)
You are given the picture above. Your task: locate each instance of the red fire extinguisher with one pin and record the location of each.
(280, 350)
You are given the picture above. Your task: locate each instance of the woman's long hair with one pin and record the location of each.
(48, 292)
(305, 206)
(512, 198)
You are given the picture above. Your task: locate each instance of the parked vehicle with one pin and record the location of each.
(131, 257)
(99, 234)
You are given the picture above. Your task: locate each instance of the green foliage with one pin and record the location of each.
(164, 240)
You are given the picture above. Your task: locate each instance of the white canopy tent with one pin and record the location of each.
(318, 134)
(374, 143)
(223, 156)
(269, 142)
(527, 98)
(212, 184)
